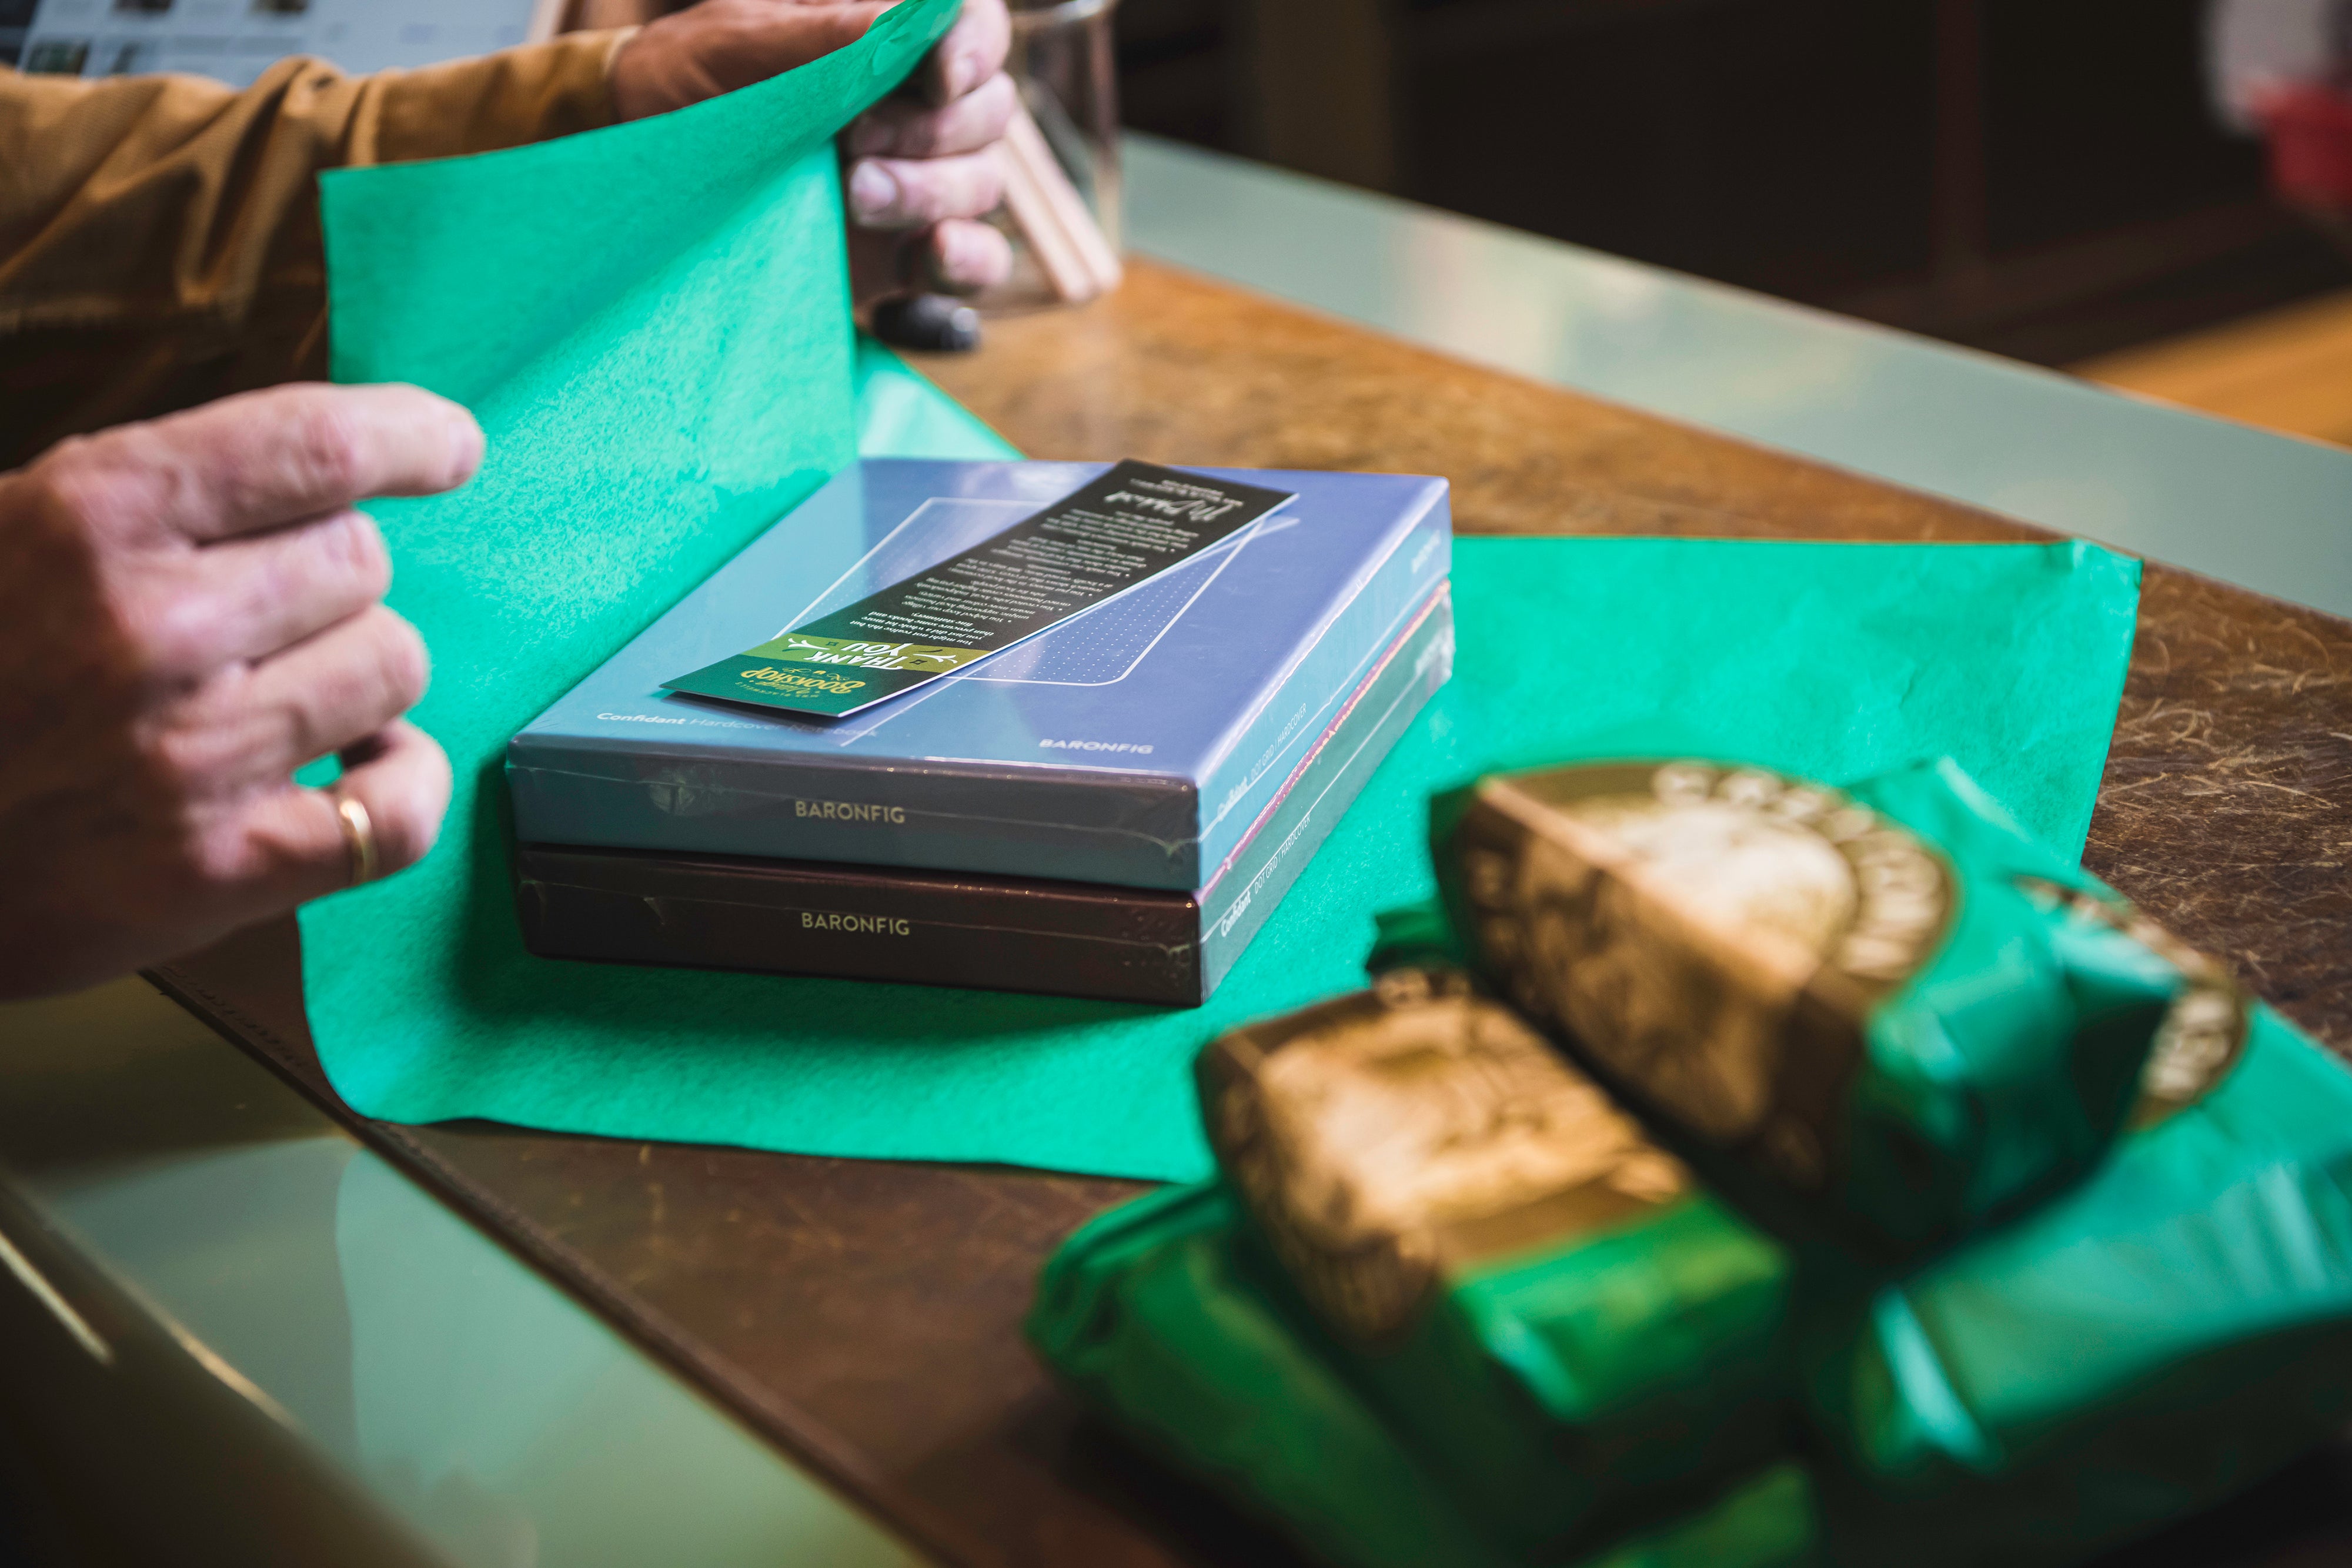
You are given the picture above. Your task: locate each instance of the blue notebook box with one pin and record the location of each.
(1132, 745)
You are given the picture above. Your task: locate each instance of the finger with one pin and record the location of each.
(972, 51)
(263, 459)
(902, 128)
(901, 193)
(399, 775)
(317, 697)
(402, 776)
(960, 257)
(247, 599)
(785, 39)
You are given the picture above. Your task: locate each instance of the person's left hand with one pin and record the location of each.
(920, 167)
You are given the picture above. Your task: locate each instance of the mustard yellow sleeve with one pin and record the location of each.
(159, 235)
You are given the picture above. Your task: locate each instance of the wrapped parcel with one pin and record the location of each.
(1147, 1315)
(1527, 1288)
(2160, 1338)
(1157, 1316)
(1853, 1011)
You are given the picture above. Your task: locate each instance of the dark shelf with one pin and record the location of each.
(2044, 180)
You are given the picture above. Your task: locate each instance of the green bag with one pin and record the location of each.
(2165, 1335)
(1862, 1015)
(1154, 1316)
(1529, 1291)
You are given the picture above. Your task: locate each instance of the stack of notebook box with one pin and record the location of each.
(1111, 808)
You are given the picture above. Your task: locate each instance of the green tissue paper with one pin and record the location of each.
(1153, 1315)
(652, 322)
(425, 1006)
(2161, 1338)
(901, 415)
(1868, 1017)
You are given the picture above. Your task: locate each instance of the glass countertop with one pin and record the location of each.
(2272, 513)
(421, 1366)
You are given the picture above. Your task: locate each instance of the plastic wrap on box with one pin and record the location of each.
(960, 928)
(1132, 745)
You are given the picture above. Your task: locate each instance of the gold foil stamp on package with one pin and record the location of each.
(1714, 937)
(1385, 1140)
(2204, 1030)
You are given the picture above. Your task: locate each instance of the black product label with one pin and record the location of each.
(1125, 528)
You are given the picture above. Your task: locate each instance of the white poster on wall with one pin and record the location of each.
(2257, 46)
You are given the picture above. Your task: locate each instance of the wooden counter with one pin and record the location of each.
(866, 1314)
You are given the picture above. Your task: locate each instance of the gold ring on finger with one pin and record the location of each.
(358, 837)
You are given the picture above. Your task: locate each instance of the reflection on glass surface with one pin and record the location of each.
(416, 1358)
(515, 1430)
(2267, 512)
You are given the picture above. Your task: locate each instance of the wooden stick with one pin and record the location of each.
(1066, 270)
(1071, 248)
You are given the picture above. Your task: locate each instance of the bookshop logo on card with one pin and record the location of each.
(795, 681)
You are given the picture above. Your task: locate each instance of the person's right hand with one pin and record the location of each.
(921, 166)
(189, 611)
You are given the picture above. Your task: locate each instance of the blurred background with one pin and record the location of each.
(2129, 189)
(2065, 182)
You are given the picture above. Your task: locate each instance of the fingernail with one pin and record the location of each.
(873, 192)
(962, 73)
(466, 445)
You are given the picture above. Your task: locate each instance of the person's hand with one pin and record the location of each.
(921, 166)
(190, 610)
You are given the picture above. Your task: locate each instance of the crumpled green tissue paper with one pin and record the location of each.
(653, 324)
